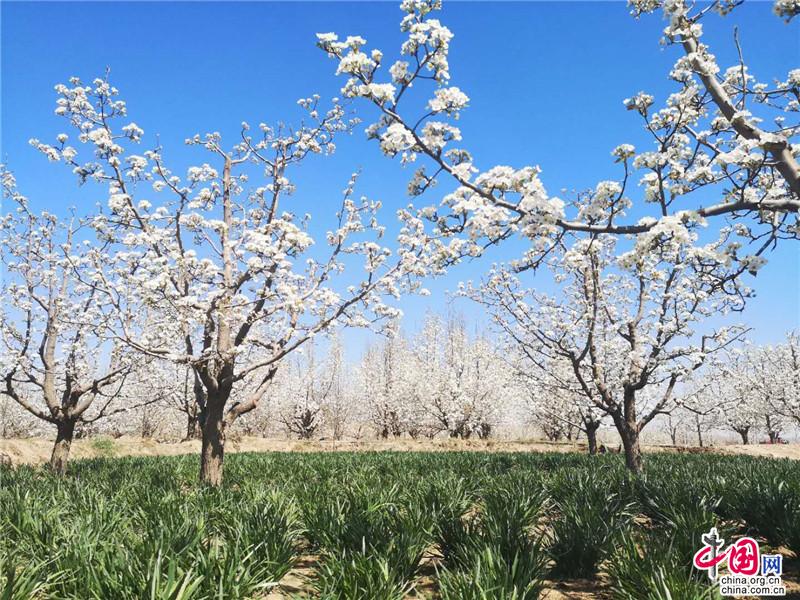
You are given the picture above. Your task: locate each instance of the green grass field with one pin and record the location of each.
(377, 526)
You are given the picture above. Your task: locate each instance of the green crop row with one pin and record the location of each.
(382, 526)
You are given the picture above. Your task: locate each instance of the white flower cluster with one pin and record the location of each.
(787, 9)
(449, 100)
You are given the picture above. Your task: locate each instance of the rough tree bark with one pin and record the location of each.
(213, 442)
(629, 429)
(193, 406)
(194, 429)
(630, 444)
(744, 432)
(591, 436)
(772, 431)
(60, 455)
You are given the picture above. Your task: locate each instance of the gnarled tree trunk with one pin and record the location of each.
(591, 436)
(60, 456)
(772, 431)
(633, 452)
(628, 428)
(213, 443)
(744, 432)
(195, 410)
(194, 429)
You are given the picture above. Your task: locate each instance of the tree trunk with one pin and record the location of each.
(772, 432)
(633, 452)
(193, 429)
(699, 434)
(673, 433)
(552, 433)
(628, 428)
(591, 437)
(60, 455)
(194, 408)
(625, 423)
(213, 444)
(744, 432)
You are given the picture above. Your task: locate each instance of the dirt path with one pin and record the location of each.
(36, 450)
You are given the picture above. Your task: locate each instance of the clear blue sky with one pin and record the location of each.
(546, 81)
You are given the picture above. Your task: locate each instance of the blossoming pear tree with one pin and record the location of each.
(314, 392)
(628, 325)
(156, 392)
(737, 408)
(554, 398)
(441, 381)
(58, 359)
(225, 249)
(389, 386)
(787, 403)
(758, 385)
(713, 153)
(342, 413)
(712, 156)
(174, 411)
(464, 381)
(699, 414)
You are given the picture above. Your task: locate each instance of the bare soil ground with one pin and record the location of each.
(37, 450)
